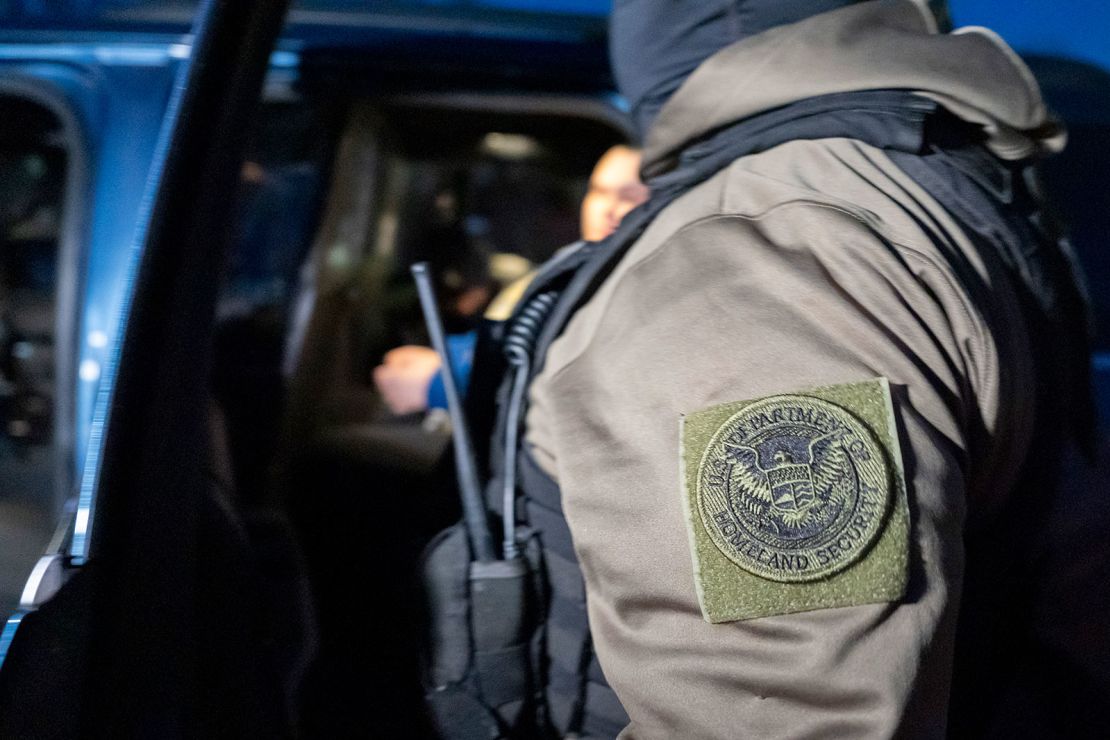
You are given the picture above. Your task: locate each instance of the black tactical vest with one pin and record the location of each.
(994, 203)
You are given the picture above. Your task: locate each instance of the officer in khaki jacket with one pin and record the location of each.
(779, 416)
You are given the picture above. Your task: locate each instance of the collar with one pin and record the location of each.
(879, 45)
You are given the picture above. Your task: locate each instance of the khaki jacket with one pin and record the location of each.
(812, 264)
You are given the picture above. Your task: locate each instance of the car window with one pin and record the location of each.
(336, 200)
(33, 170)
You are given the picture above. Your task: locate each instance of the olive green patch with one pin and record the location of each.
(796, 502)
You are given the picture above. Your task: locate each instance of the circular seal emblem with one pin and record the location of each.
(793, 488)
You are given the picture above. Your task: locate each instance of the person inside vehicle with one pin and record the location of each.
(614, 190)
(408, 377)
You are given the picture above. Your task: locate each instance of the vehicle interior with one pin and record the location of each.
(472, 156)
(337, 199)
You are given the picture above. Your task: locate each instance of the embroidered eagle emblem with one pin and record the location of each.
(793, 487)
(790, 494)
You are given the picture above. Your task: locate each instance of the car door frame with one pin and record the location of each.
(116, 651)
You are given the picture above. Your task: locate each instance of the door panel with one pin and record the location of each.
(152, 633)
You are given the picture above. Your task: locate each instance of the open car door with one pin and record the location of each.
(142, 621)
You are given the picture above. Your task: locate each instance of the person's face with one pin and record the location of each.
(615, 189)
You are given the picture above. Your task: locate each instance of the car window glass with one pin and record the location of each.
(33, 170)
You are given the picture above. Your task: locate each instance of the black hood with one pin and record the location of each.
(656, 44)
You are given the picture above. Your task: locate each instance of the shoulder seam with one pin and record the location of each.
(897, 245)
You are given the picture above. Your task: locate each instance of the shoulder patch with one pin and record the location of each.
(796, 502)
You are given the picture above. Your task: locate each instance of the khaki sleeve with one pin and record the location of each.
(731, 309)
